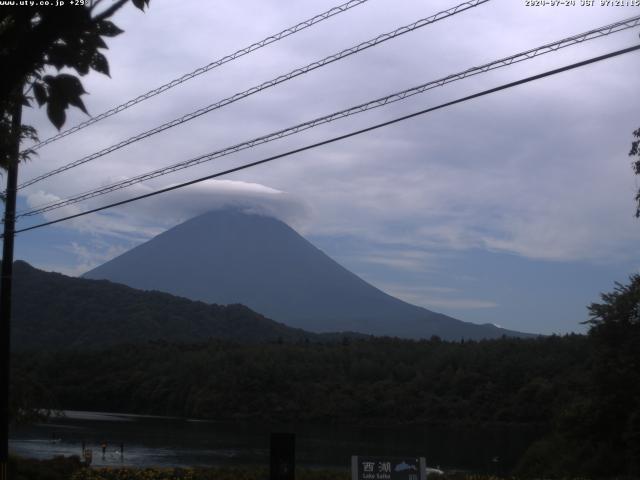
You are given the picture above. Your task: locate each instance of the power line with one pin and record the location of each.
(341, 137)
(199, 71)
(526, 55)
(280, 79)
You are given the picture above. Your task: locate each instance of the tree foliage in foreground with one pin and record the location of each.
(615, 409)
(635, 153)
(598, 432)
(40, 41)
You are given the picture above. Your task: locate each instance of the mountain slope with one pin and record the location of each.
(227, 256)
(53, 311)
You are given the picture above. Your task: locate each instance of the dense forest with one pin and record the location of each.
(510, 380)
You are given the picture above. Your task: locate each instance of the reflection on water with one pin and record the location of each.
(166, 441)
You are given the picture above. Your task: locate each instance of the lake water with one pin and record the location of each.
(163, 441)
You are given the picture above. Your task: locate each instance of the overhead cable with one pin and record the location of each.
(199, 71)
(341, 137)
(394, 97)
(276, 81)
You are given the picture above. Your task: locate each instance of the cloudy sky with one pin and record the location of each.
(515, 208)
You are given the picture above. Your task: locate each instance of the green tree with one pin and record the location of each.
(619, 311)
(35, 42)
(615, 334)
(635, 152)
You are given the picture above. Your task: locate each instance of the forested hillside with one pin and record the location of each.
(52, 311)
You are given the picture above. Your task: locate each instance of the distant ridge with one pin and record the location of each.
(229, 256)
(52, 312)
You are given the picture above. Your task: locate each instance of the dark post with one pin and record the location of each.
(283, 456)
(5, 284)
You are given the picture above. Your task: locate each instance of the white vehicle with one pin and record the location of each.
(433, 471)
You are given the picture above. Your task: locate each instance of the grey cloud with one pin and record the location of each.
(538, 171)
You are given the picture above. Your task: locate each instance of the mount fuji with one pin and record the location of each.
(229, 256)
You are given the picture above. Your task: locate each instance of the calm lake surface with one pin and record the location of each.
(179, 442)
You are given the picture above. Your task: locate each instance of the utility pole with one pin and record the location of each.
(6, 280)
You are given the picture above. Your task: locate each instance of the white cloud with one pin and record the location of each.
(91, 255)
(437, 297)
(399, 259)
(151, 216)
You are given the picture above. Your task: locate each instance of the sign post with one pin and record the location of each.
(283, 456)
(388, 468)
